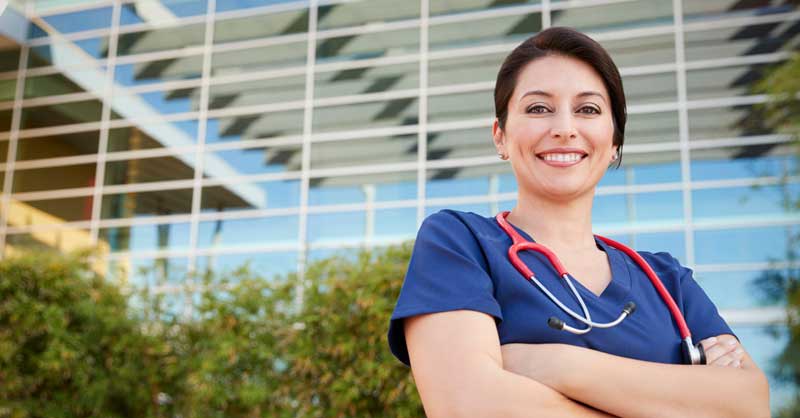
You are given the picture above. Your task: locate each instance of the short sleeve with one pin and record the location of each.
(447, 272)
(701, 314)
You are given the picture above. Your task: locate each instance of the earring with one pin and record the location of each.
(615, 156)
(502, 156)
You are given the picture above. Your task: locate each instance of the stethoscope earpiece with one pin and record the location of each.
(555, 323)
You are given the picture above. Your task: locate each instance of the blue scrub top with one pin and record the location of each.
(460, 261)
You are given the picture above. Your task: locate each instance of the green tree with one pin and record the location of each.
(781, 114)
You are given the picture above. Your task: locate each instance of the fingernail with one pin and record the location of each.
(712, 340)
(737, 363)
(738, 351)
(731, 342)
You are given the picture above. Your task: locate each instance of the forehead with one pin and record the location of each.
(558, 75)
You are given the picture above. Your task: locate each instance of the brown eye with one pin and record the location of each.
(589, 110)
(537, 109)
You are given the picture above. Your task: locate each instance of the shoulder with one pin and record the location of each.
(666, 266)
(455, 222)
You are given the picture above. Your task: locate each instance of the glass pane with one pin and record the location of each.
(460, 106)
(261, 26)
(255, 126)
(358, 13)
(360, 189)
(366, 151)
(738, 41)
(482, 209)
(650, 88)
(237, 233)
(708, 10)
(464, 70)
(396, 112)
(248, 93)
(776, 160)
(466, 181)
(724, 82)
(266, 265)
(643, 128)
(151, 135)
(81, 143)
(745, 245)
(80, 21)
(337, 228)
(648, 168)
(615, 16)
(637, 51)
(37, 179)
(146, 170)
(157, 12)
(157, 71)
(138, 204)
(226, 5)
(51, 85)
(8, 88)
(146, 237)
(9, 58)
(54, 52)
(267, 159)
(461, 143)
(396, 224)
(488, 31)
(49, 211)
(366, 80)
(154, 103)
(443, 7)
(283, 55)
(64, 240)
(161, 39)
(61, 114)
(670, 242)
(5, 120)
(736, 289)
(726, 122)
(751, 202)
(368, 45)
(251, 195)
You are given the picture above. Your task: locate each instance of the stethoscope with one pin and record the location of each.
(691, 354)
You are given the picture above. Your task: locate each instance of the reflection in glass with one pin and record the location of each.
(139, 204)
(396, 112)
(161, 39)
(257, 92)
(356, 14)
(364, 151)
(153, 103)
(50, 85)
(148, 272)
(270, 57)
(255, 126)
(52, 146)
(460, 106)
(5, 120)
(368, 45)
(237, 233)
(251, 195)
(738, 41)
(750, 201)
(62, 239)
(8, 88)
(491, 31)
(61, 114)
(337, 228)
(730, 81)
(770, 160)
(614, 16)
(146, 170)
(742, 245)
(466, 181)
(650, 88)
(443, 7)
(158, 71)
(727, 122)
(261, 26)
(146, 237)
(49, 211)
(395, 224)
(159, 12)
(51, 178)
(54, 53)
(461, 143)
(83, 20)
(264, 265)
(164, 135)
(9, 60)
(367, 80)
(733, 289)
(268, 159)
(464, 70)
(482, 209)
(645, 50)
(670, 242)
(362, 189)
(658, 207)
(226, 5)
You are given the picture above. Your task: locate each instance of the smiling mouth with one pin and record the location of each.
(562, 158)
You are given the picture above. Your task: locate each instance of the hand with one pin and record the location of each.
(723, 350)
(540, 362)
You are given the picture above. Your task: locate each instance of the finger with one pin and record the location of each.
(723, 361)
(733, 359)
(716, 351)
(708, 343)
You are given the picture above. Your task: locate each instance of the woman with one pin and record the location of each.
(475, 331)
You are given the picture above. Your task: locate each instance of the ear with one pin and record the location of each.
(499, 138)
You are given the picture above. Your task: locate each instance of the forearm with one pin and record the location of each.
(633, 388)
(505, 394)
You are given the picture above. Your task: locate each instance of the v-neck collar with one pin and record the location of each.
(619, 286)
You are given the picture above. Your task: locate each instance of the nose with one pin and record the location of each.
(563, 128)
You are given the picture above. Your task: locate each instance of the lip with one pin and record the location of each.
(562, 151)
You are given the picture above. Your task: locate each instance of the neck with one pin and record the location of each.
(558, 225)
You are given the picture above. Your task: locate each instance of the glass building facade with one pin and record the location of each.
(187, 135)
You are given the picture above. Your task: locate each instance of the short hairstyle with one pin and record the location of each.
(566, 42)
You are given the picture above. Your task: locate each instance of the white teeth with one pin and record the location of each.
(563, 158)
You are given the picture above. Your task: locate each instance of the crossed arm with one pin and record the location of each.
(462, 371)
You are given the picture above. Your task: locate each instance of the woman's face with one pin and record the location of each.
(559, 130)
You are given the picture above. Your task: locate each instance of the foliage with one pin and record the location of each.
(72, 345)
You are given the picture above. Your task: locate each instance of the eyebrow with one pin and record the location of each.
(546, 94)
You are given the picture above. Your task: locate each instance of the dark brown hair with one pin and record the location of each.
(571, 43)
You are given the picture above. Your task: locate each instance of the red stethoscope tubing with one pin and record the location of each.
(520, 244)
